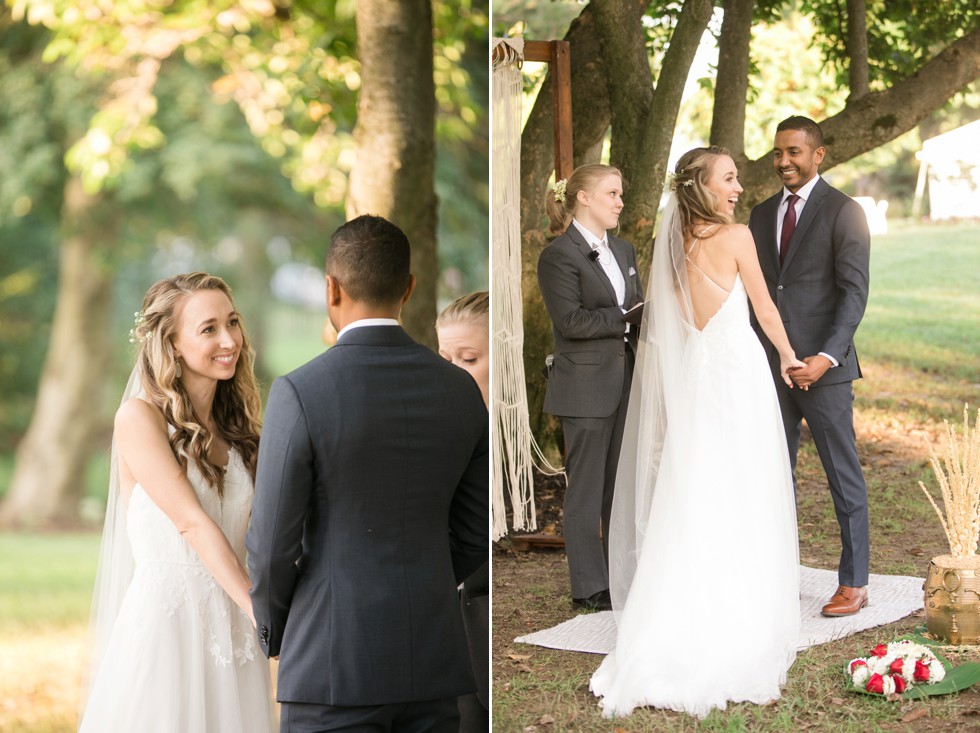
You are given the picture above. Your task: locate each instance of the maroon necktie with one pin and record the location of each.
(789, 226)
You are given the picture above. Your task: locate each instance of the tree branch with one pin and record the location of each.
(879, 117)
(857, 48)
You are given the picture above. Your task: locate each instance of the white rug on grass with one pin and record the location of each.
(891, 597)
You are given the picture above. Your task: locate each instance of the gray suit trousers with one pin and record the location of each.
(591, 458)
(829, 413)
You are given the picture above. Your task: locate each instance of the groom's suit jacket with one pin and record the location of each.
(821, 290)
(371, 505)
(586, 379)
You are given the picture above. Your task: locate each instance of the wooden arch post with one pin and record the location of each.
(557, 55)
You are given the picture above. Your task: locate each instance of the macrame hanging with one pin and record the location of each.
(512, 437)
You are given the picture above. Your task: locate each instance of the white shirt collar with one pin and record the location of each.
(367, 322)
(803, 193)
(590, 239)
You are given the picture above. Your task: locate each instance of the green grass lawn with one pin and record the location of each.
(46, 580)
(924, 306)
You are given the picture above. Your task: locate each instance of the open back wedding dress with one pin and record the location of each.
(704, 564)
(172, 652)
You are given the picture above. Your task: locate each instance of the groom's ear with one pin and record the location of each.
(333, 291)
(410, 290)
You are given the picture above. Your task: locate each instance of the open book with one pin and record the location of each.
(635, 314)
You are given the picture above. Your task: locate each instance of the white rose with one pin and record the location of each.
(861, 675)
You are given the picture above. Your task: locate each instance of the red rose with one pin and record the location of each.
(899, 683)
(880, 650)
(857, 663)
(921, 671)
(896, 666)
(876, 684)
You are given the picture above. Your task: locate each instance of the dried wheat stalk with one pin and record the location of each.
(958, 474)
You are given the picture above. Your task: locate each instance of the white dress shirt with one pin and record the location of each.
(606, 260)
(367, 322)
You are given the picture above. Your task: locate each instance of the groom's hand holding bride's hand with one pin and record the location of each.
(789, 367)
(816, 367)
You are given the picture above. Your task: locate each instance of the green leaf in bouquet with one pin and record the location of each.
(958, 678)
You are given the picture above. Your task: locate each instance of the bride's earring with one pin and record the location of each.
(179, 370)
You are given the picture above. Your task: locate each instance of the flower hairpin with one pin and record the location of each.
(560, 187)
(134, 336)
(674, 182)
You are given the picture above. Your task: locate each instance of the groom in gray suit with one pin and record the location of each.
(588, 389)
(371, 505)
(814, 249)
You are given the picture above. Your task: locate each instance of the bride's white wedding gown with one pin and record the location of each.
(712, 614)
(182, 657)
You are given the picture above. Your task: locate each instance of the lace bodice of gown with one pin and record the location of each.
(154, 538)
(163, 556)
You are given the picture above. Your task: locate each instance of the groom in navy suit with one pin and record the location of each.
(814, 249)
(371, 505)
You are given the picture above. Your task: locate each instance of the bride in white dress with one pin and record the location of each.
(174, 647)
(704, 561)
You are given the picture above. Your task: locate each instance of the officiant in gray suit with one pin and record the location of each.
(589, 279)
(814, 249)
(371, 505)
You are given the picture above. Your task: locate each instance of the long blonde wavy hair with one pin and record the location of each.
(237, 404)
(696, 204)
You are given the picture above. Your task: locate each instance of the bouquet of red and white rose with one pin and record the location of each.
(895, 667)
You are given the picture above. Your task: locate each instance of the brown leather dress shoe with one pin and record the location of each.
(846, 601)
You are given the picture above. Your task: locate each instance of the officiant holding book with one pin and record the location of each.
(589, 280)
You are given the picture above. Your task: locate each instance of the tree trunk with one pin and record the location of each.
(654, 148)
(857, 49)
(394, 173)
(629, 88)
(878, 117)
(590, 115)
(732, 84)
(51, 462)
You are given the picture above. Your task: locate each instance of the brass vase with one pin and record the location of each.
(952, 599)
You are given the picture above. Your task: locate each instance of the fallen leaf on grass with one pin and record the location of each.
(546, 719)
(915, 714)
(530, 728)
(837, 701)
(524, 668)
(917, 551)
(520, 657)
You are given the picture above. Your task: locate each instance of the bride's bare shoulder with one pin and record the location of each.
(735, 230)
(137, 414)
(737, 236)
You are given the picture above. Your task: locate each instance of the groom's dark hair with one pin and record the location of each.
(371, 259)
(814, 134)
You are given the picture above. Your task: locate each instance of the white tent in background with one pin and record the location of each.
(952, 163)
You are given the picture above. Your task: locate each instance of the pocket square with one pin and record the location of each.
(632, 272)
